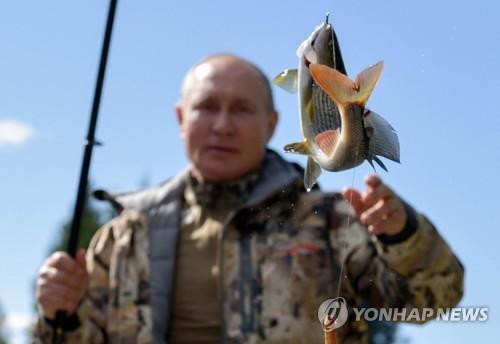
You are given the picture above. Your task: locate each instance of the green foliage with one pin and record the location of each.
(93, 218)
(385, 332)
(2, 321)
(382, 332)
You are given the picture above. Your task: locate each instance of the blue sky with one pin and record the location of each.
(439, 90)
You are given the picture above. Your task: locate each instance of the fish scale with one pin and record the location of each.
(359, 140)
(326, 114)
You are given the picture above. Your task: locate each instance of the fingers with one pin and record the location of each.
(391, 225)
(373, 180)
(379, 217)
(67, 298)
(374, 192)
(354, 197)
(62, 267)
(52, 303)
(61, 283)
(52, 298)
(62, 261)
(53, 275)
(383, 211)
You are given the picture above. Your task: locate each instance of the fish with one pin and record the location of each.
(339, 133)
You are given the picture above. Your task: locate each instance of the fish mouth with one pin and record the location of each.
(307, 62)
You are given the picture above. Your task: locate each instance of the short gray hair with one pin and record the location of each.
(260, 73)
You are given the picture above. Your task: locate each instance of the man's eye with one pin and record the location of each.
(207, 107)
(242, 108)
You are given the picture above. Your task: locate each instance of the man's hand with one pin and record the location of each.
(61, 284)
(378, 207)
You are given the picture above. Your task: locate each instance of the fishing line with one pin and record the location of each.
(344, 248)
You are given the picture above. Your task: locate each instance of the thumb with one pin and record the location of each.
(354, 197)
(372, 180)
(80, 259)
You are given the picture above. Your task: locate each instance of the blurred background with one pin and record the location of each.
(439, 89)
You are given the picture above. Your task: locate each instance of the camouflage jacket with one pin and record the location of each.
(280, 257)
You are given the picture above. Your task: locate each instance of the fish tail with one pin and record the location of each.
(383, 140)
(343, 90)
(378, 161)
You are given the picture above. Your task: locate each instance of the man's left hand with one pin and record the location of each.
(378, 207)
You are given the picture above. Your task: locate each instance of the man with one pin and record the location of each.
(233, 249)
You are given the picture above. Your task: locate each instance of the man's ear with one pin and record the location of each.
(179, 114)
(271, 124)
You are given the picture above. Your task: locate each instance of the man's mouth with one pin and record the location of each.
(223, 149)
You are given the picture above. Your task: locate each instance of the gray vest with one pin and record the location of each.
(162, 205)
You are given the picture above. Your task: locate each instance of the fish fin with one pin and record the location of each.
(370, 160)
(338, 87)
(326, 141)
(298, 148)
(313, 171)
(379, 162)
(343, 90)
(375, 158)
(382, 138)
(366, 81)
(287, 80)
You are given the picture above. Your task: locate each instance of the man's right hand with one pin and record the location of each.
(62, 283)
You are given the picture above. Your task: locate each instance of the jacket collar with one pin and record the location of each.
(275, 175)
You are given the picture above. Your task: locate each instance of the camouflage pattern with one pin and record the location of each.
(279, 259)
(116, 307)
(298, 243)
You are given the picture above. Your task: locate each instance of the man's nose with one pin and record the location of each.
(222, 124)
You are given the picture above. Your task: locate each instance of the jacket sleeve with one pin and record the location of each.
(88, 324)
(416, 269)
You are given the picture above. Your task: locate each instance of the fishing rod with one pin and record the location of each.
(90, 142)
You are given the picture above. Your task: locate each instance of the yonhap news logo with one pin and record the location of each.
(333, 313)
(457, 314)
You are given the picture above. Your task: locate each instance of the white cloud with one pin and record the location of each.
(18, 322)
(17, 327)
(14, 132)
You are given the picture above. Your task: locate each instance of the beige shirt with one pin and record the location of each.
(196, 313)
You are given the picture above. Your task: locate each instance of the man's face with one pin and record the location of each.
(225, 119)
